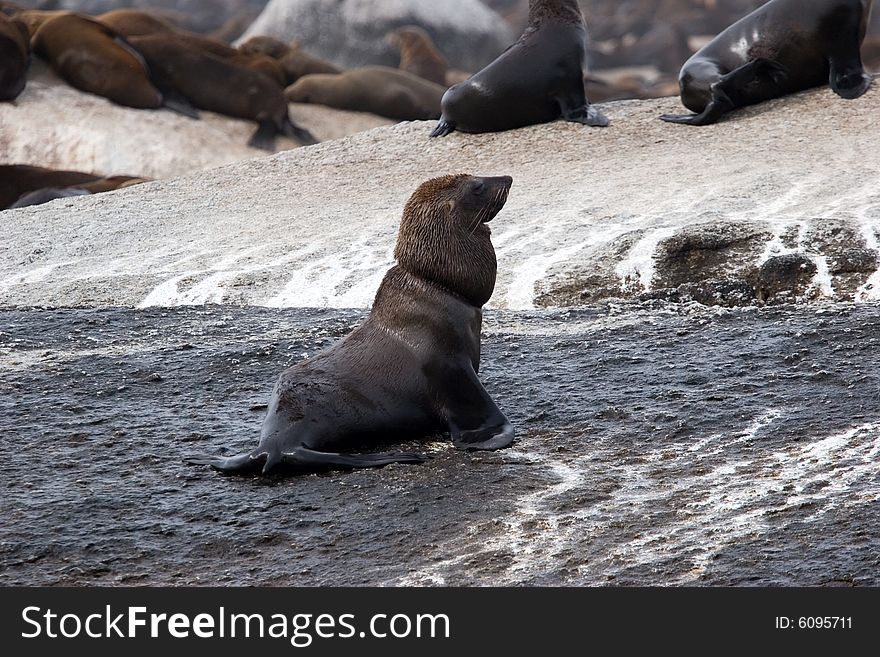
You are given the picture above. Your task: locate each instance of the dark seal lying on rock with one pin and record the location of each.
(411, 368)
(538, 79)
(783, 47)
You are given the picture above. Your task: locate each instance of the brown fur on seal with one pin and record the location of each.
(418, 54)
(379, 90)
(217, 85)
(410, 369)
(135, 23)
(15, 52)
(92, 57)
(19, 179)
(294, 61)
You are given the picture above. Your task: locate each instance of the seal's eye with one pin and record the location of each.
(477, 187)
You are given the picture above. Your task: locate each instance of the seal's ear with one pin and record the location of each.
(450, 204)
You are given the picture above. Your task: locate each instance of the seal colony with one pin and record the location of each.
(410, 369)
(783, 47)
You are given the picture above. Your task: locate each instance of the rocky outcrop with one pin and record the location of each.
(352, 33)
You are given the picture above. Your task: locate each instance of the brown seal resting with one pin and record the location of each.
(94, 58)
(16, 180)
(217, 85)
(540, 78)
(15, 54)
(293, 59)
(410, 369)
(134, 23)
(380, 90)
(780, 48)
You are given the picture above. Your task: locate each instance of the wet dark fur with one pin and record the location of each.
(538, 79)
(791, 45)
(410, 369)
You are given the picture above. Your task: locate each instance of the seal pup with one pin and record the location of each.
(410, 369)
(15, 54)
(539, 79)
(210, 83)
(379, 90)
(780, 48)
(418, 54)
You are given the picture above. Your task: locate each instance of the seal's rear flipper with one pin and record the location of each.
(177, 103)
(303, 458)
(443, 128)
(713, 112)
(242, 464)
(302, 135)
(264, 137)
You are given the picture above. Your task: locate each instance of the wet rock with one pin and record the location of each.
(850, 260)
(353, 34)
(707, 251)
(785, 278)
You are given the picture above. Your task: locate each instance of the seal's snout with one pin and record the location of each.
(497, 190)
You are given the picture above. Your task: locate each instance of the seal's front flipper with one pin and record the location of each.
(474, 421)
(305, 459)
(588, 115)
(443, 128)
(848, 78)
(293, 131)
(249, 463)
(574, 106)
(850, 85)
(264, 137)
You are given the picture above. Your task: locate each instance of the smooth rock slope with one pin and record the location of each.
(778, 203)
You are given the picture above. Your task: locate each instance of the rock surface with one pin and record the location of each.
(352, 33)
(54, 125)
(640, 209)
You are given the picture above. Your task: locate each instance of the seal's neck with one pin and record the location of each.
(562, 10)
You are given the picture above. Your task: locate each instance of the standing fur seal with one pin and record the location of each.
(214, 84)
(15, 54)
(410, 369)
(538, 79)
(783, 47)
(380, 90)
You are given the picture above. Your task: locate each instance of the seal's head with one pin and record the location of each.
(444, 238)
(265, 45)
